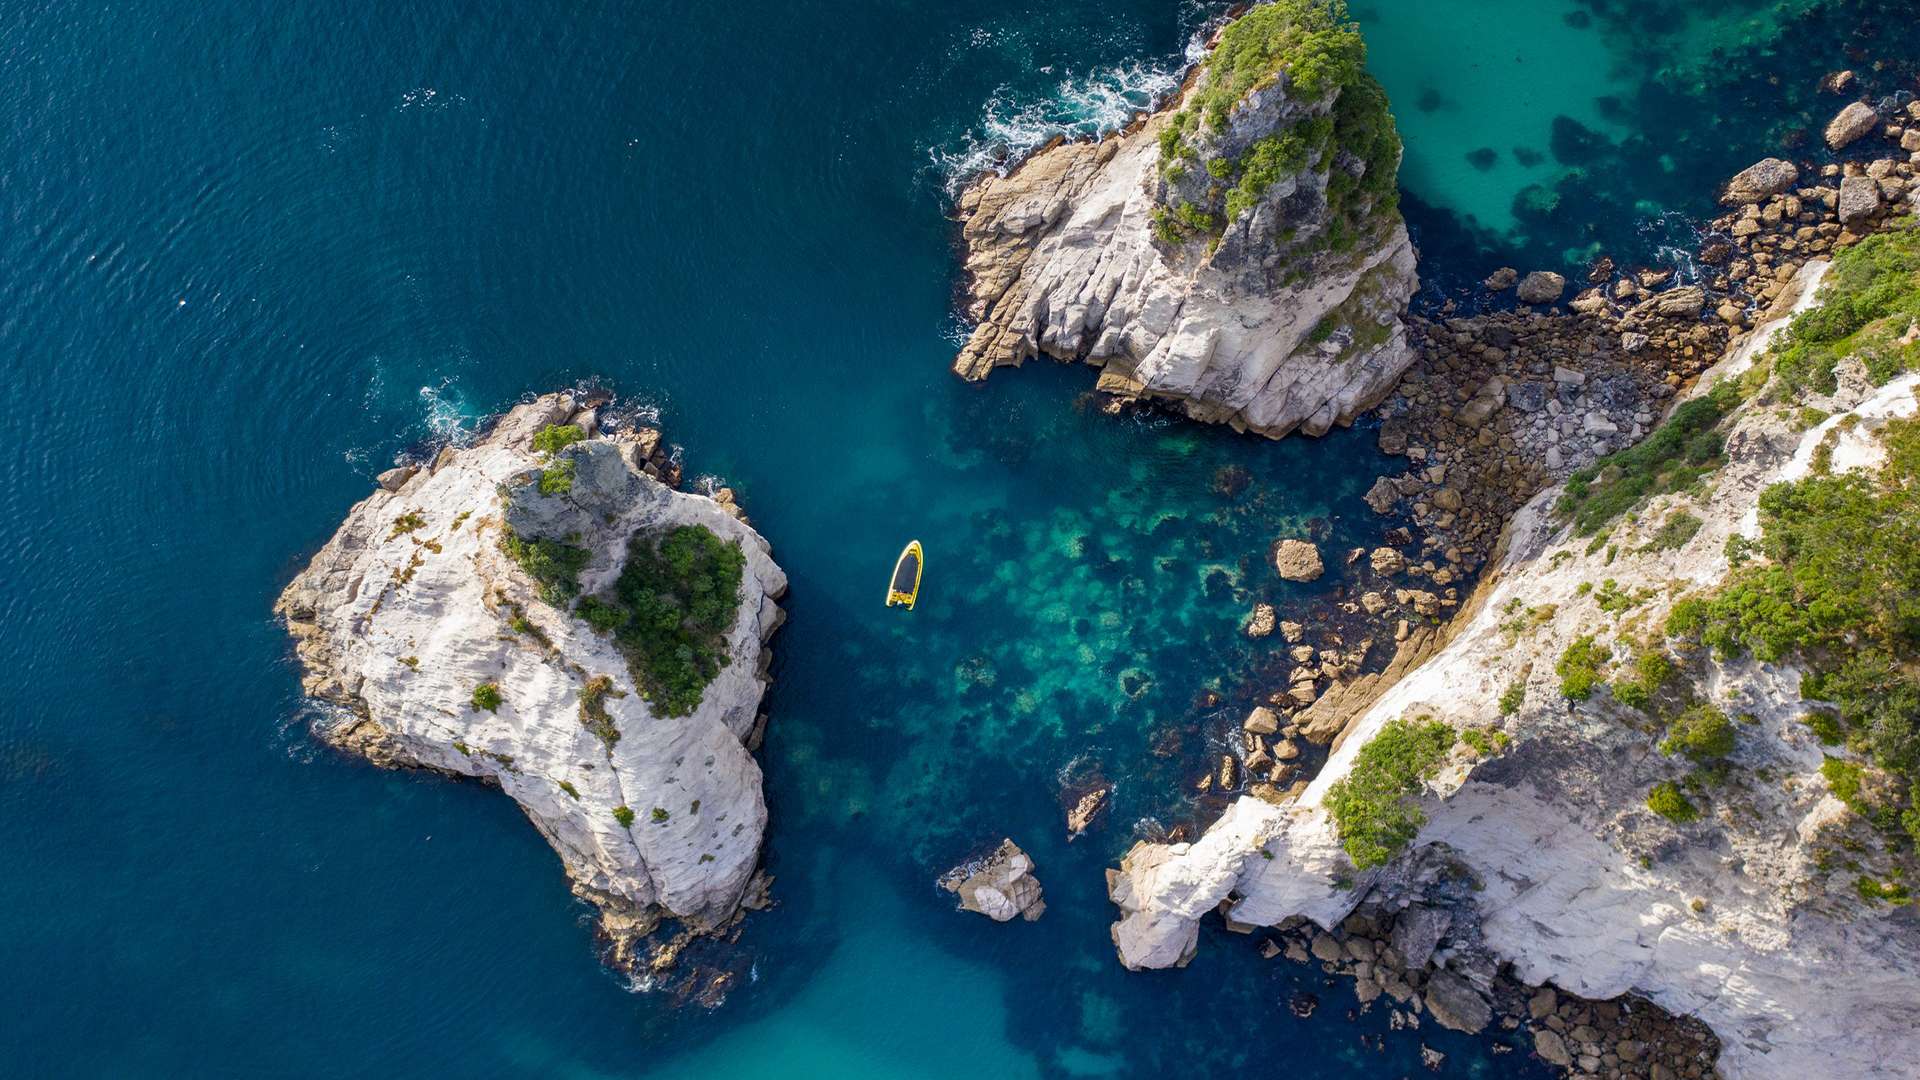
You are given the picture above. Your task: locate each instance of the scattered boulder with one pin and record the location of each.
(1000, 886)
(1851, 125)
(1859, 199)
(396, 478)
(1086, 810)
(1552, 1048)
(1685, 302)
(1502, 279)
(1261, 721)
(1541, 287)
(1260, 623)
(1417, 932)
(1298, 560)
(1386, 560)
(1455, 1004)
(1381, 496)
(1760, 181)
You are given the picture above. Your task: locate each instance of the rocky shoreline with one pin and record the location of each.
(1423, 960)
(467, 618)
(1494, 408)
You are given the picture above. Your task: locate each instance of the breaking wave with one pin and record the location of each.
(1079, 106)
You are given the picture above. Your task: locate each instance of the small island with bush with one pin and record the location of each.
(544, 610)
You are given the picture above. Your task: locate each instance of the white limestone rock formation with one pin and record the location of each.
(1241, 252)
(1749, 918)
(413, 605)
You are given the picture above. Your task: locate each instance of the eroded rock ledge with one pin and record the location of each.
(443, 651)
(1240, 252)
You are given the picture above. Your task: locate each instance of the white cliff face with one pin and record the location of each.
(1743, 919)
(1263, 328)
(413, 604)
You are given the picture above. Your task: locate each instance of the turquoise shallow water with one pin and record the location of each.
(252, 255)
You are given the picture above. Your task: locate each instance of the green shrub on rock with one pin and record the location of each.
(1678, 453)
(1702, 733)
(669, 612)
(1870, 297)
(1372, 806)
(1579, 668)
(556, 437)
(555, 567)
(1651, 671)
(557, 478)
(1513, 697)
(487, 696)
(1666, 800)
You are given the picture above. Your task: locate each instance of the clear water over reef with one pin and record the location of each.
(250, 255)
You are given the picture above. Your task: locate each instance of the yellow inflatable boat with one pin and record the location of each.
(905, 586)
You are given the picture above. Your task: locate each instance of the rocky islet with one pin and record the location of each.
(443, 621)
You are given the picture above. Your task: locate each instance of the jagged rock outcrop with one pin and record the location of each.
(1240, 252)
(1752, 915)
(441, 651)
(1000, 886)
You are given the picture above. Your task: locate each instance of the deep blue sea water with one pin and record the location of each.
(250, 253)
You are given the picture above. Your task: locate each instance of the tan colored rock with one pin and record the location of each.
(1298, 560)
(1260, 623)
(1852, 124)
(1761, 180)
(1261, 721)
(1001, 886)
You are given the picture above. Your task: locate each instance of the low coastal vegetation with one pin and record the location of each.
(1579, 667)
(593, 709)
(1871, 296)
(1372, 806)
(1320, 51)
(555, 567)
(487, 696)
(1680, 452)
(1836, 588)
(1667, 800)
(670, 611)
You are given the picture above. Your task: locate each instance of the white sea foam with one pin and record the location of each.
(1079, 106)
(447, 417)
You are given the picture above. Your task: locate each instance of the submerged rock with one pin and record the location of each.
(1241, 252)
(1000, 886)
(443, 652)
